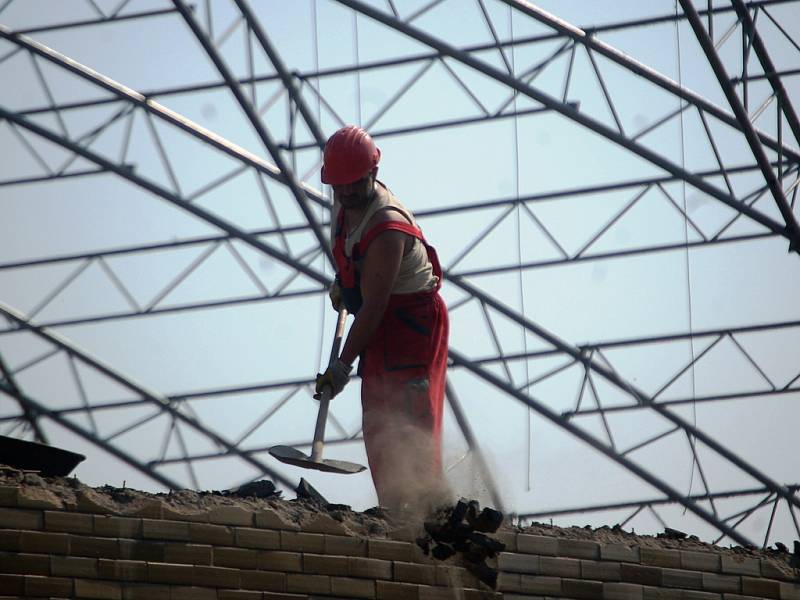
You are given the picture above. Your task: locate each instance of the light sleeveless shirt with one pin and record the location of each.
(416, 270)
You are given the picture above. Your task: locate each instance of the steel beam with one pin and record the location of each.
(421, 214)
(652, 501)
(152, 107)
(474, 447)
(792, 226)
(567, 111)
(56, 177)
(147, 395)
(621, 58)
(287, 175)
(769, 68)
(167, 195)
(772, 393)
(474, 292)
(671, 493)
(92, 22)
(168, 310)
(638, 68)
(40, 409)
(614, 379)
(7, 379)
(288, 80)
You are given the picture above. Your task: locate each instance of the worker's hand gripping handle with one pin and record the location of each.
(325, 396)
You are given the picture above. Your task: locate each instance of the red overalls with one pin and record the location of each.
(403, 373)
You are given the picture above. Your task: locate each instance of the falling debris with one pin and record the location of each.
(449, 534)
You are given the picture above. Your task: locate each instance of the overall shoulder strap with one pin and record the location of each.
(361, 248)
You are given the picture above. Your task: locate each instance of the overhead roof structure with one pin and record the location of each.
(612, 188)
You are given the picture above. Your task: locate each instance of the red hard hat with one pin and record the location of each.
(349, 155)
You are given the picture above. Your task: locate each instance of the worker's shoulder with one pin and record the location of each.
(387, 214)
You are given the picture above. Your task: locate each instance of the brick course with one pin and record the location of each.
(232, 553)
(16, 563)
(13, 518)
(68, 522)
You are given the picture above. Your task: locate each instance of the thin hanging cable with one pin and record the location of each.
(686, 253)
(358, 64)
(315, 45)
(520, 278)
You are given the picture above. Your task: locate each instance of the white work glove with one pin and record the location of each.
(335, 376)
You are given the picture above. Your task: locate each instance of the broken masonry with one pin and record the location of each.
(464, 531)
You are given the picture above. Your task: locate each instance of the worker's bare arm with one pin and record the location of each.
(378, 275)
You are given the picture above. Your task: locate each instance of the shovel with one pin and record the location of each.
(292, 456)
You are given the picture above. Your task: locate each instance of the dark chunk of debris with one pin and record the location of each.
(377, 511)
(442, 551)
(458, 513)
(450, 534)
(306, 491)
(484, 541)
(794, 560)
(672, 534)
(424, 543)
(780, 547)
(488, 521)
(339, 507)
(484, 573)
(263, 488)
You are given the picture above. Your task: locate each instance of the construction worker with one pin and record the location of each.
(389, 278)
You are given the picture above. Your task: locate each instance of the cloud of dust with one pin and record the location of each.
(410, 479)
(466, 477)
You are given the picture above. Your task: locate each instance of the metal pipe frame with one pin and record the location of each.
(102, 21)
(583, 354)
(40, 410)
(287, 175)
(577, 34)
(474, 447)
(9, 381)
(596, 346)
(562, 108)
(792, 226)
(592, 43)
(147, 396)
(278, 173)
(770, 73)
(580, 434)
(165, 193)
(144, 102)
(651, 502)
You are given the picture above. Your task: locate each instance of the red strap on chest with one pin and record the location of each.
(346, 264)
(360, 249)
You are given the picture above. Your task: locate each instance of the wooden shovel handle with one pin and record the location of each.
(325, 394)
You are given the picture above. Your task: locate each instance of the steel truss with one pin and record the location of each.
(596, 368)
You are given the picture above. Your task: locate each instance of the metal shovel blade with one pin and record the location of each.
(292, 456)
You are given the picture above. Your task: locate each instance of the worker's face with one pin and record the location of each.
(356, 194)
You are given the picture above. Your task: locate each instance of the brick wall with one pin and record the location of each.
(83, 550)
(535, 566)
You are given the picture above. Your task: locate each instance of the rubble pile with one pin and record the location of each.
(462, 529)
